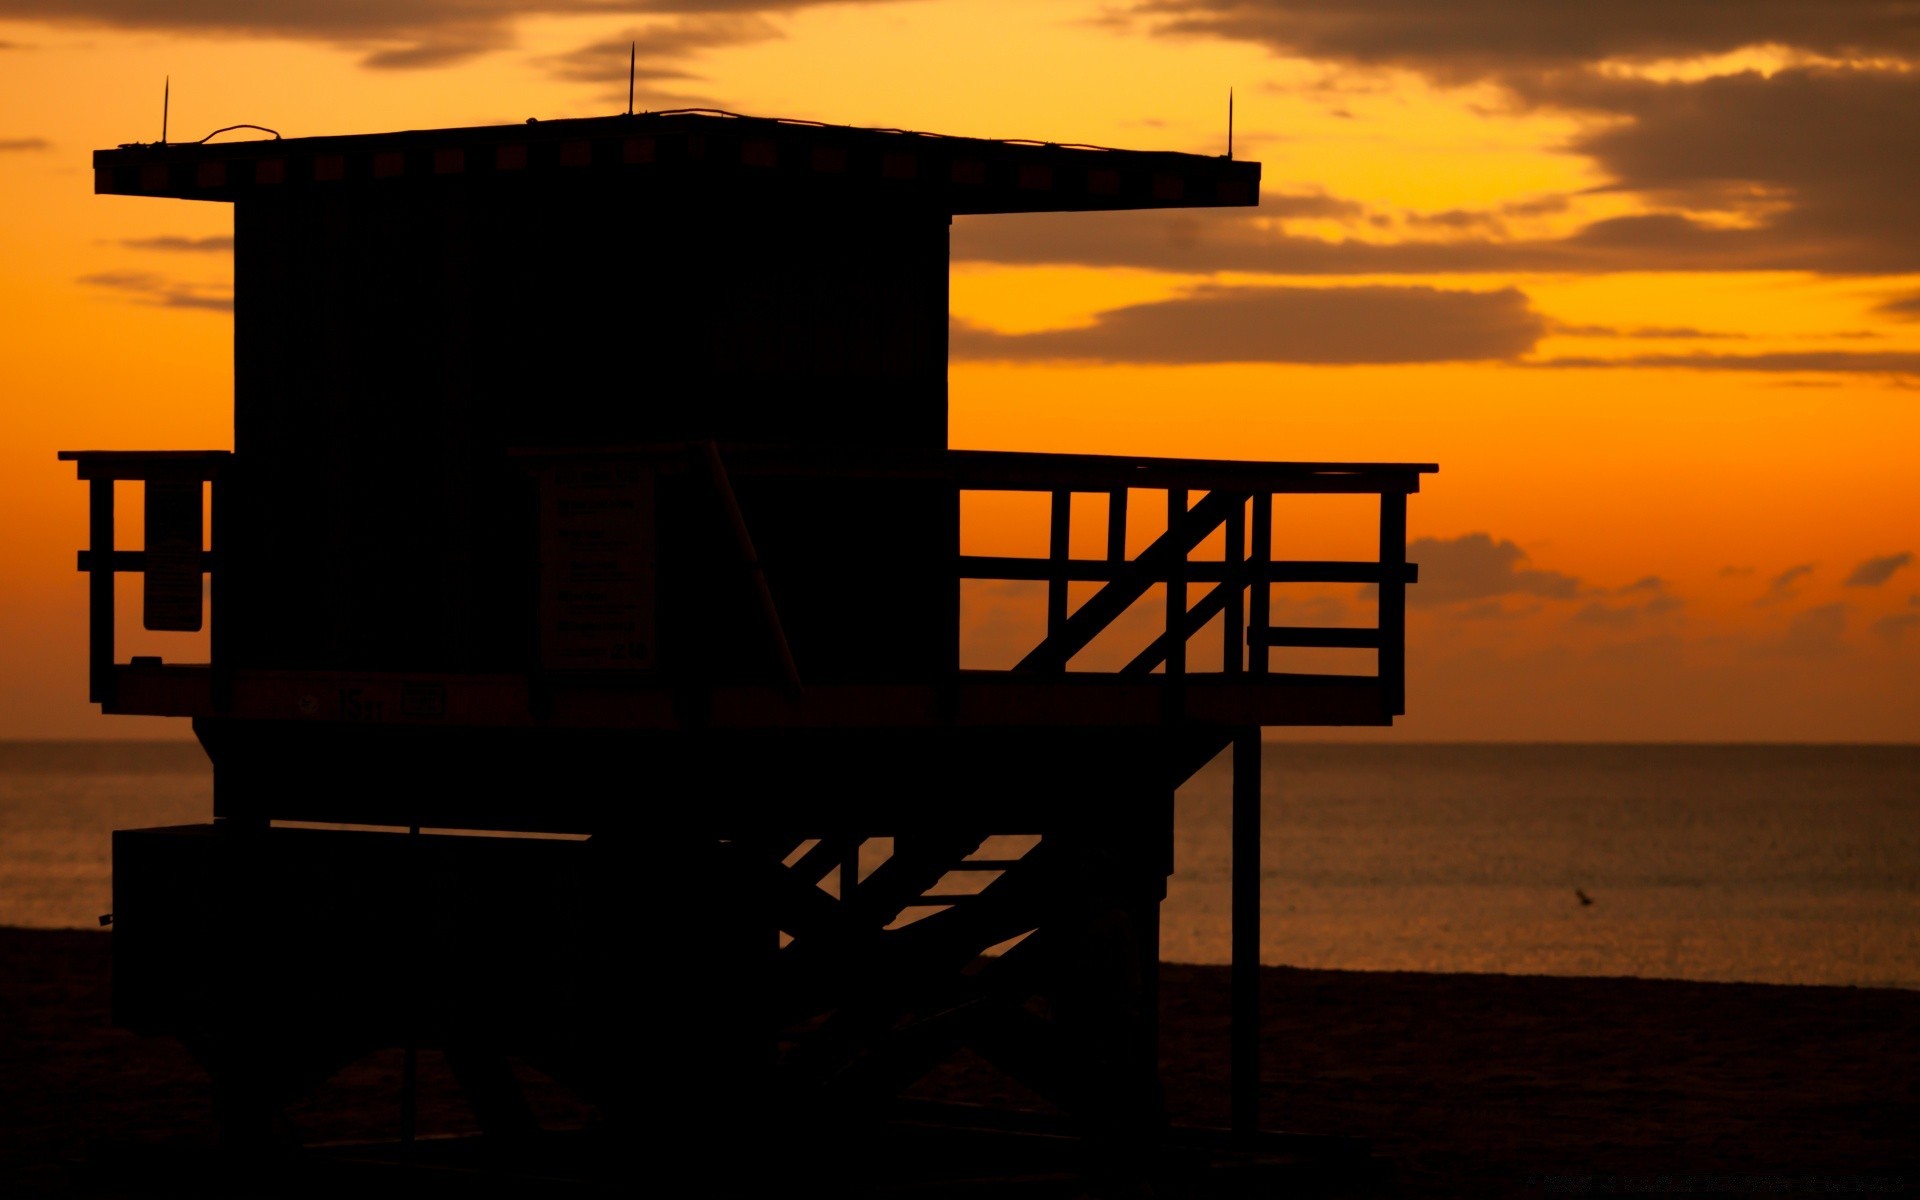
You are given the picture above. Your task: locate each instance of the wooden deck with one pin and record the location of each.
(1226, 504)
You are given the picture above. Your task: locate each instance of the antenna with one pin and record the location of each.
(1229, 124)
(166, 102)
(633, 53)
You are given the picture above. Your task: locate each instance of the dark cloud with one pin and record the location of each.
(1824, 158)
(177, 244)
(1493, 610)
(1876, 571)
(393, 34)
(1234, 239)
(24, 144)
(1815, 633)
(1881, 363)
(1466, 39)
(1650, 599)
(657, 50)
(1894, 629)
(1285, 324)
(1648, 332)
(1808, 168)
(148, 288)
(1904, 308)
(1781, 586)
(1735, 572)
(1476, 567)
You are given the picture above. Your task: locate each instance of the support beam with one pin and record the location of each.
(100, 591)
(1245, 1053)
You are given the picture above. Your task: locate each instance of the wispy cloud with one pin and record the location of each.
(185, 245)
(148, 288)
(390, 35)
(23, 145)
(1783, 586)
(1476, 566)
(1876, 571)
(1845, 361)
(1341, 325)
(1815, 633)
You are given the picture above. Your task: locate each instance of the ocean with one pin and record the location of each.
(1774, 864)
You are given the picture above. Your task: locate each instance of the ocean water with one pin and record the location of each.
(1777, 864)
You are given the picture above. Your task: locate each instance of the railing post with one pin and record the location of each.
(1244, 1078)
(1259, 614)
(1233, 617)
(218, 632)
(1176, 588)
(100, 601)
(1393, 600)
(1059, 539)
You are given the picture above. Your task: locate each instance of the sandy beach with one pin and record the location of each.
(1466, 1085)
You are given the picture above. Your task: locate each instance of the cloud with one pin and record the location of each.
(657, 49)
(1658, 602)
(1476, 567)
(148, 288)
(1239, 239)
(1808, 168)
(176, 243)
(1815, 633)
(1650, 332)
(1781, 586)
(1285, 324)
(19, 145)
(1901, 308)
(1877, 363)
(1820, 160)
(1469, 39)
(1876, 571)
(391, 34)
(1893, 629)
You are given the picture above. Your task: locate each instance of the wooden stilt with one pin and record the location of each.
(1245, 1084)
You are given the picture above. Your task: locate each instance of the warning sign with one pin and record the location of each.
(597, 552)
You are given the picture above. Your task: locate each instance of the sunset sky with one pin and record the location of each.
(1642, 276)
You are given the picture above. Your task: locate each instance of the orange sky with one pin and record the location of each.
(1648, 294)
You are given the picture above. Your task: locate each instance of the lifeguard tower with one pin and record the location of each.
(591, 487)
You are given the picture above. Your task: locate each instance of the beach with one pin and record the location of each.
(1465, 1085)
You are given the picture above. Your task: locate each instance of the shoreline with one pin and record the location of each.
(1480, 1085)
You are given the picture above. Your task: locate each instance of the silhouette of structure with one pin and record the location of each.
(591, 478)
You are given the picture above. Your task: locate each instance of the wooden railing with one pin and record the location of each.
(172, 563)
(1236, 500)
(1200, 498)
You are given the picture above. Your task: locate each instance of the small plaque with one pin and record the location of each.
(174, 533)
(597, 567)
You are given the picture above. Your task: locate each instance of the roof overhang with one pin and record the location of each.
(713, 153)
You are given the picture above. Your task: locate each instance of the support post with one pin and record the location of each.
(1393, 601)
(1176, 590)
(1260, 597)
(1059, 538)
(1233, 623)
(100, 570)
(1245, 1052)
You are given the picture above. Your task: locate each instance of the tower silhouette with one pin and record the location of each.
(591, 486)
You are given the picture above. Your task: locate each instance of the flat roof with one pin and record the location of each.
(714, 150)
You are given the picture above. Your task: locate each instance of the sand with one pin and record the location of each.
(1466, 1085)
